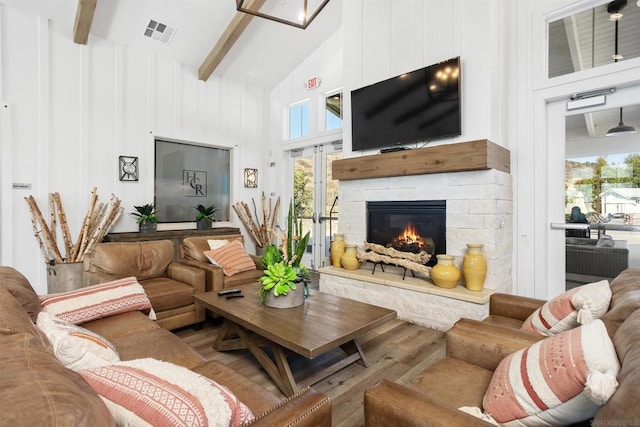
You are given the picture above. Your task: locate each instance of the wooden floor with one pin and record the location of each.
(395, 351)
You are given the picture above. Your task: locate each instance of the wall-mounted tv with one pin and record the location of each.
(422, 105)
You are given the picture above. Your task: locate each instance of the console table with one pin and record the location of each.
(175, 236)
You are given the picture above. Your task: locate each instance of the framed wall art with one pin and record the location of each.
(128, 168)
(187, 175)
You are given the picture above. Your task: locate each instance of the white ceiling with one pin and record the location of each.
(263, 55)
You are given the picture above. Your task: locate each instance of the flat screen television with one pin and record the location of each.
(422, 105)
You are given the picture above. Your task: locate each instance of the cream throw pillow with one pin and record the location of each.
(75, 347)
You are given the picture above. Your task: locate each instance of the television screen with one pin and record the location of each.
(422, 105)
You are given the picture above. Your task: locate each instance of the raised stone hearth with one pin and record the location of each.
(479, 209)
(416, 299)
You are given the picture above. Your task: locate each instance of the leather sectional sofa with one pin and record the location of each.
(475, 348)
(36, 390)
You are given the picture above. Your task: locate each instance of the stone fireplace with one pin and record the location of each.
(479, 206)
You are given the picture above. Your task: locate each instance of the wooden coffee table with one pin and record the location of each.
(323, 323)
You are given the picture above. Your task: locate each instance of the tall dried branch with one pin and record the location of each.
(49, 241)
(64, 226)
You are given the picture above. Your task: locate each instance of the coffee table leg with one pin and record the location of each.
(353, 347)
(224, 342)
(280, 371)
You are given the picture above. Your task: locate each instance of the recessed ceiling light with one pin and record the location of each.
(159, 31)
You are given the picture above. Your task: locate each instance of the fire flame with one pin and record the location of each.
(409, 235)
(409, 240)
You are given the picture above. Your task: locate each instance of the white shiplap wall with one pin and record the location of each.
(73, 109)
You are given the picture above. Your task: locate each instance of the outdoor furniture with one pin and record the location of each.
(587, 260)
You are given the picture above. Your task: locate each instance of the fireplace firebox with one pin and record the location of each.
(410, 226)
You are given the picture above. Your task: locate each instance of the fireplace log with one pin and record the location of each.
(420, 258)
(400, 262)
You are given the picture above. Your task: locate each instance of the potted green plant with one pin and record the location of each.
(147, 218)
(205, 216)
(284, 281)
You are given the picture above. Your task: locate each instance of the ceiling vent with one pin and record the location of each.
(159, 31)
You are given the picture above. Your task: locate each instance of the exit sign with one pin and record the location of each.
(313, 83)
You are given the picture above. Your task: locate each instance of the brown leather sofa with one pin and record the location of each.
(191, 252)
(38, 391)
(170, 286)
(475, 348)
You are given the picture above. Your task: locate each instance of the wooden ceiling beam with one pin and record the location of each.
(230, 35)
(84, 19)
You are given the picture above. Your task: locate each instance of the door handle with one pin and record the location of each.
(326, 218)
(568, 226)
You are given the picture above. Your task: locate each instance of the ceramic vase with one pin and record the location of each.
(474, 267)
(337, 250)
(445, 273)
(348, 260)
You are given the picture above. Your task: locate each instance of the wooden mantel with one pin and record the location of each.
(481, 154)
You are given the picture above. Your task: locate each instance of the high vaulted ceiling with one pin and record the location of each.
(263, 54)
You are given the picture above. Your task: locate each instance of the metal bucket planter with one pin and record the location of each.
(292, 299)
(63, 277)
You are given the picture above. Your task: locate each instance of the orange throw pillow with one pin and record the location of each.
(232, 258)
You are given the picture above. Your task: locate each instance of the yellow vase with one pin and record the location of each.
(336, 250)
(474, 267)
(348, 259)
(445, 273)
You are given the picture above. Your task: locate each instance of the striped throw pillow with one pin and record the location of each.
(75, 347)
(575, 307)
(560, 380)
(98, 301)
(232, 258)
(153, 392)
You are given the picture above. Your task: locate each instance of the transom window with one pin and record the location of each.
(299, 120)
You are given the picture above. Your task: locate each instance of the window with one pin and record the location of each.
(333, 111)
(299, 121)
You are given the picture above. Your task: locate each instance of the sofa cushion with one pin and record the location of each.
(144, 260)
(575, 307)
(159, 344)
(39, 391)
(75, 347)
(17, 285)
(160, 393)
(560, 380)
(232, 258)
(166, 294)
(93, 302)
(465, 382)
